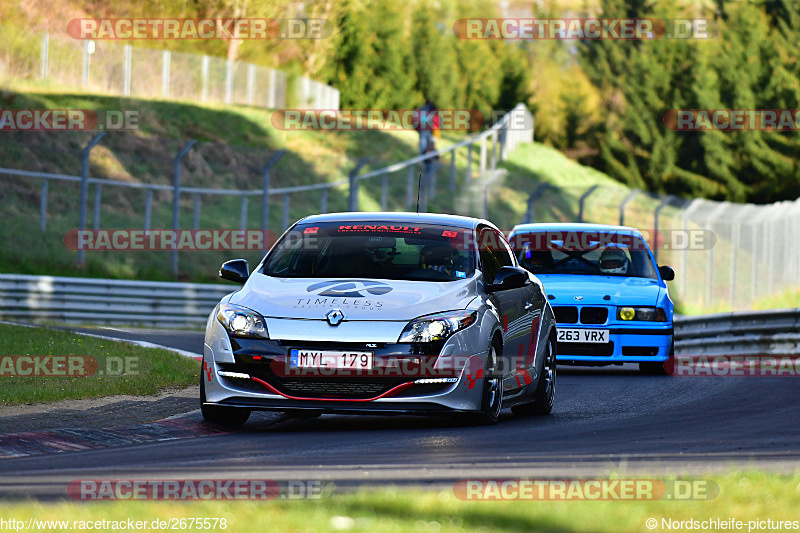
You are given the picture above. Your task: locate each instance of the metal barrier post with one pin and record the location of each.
(624, 203)
(352, 204)
(453, 171)
(176, 198)
(529, 218)
(85, 185)
(196, 216)
(43, 207)
(148, 208)
(266, 172)
(586, 195)
(468, 175)
(97, 192)
(243, 213)
(384, 191)
(656, 216)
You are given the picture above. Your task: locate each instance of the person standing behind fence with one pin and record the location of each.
(426, 122)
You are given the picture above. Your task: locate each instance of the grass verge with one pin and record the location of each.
(743, 496)
(121, 368)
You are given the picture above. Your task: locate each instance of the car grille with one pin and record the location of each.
(605, 349)
(334, 388)
(640, 351)
(568, 314)
(594, 315)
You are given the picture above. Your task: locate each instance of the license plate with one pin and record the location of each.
(583, 335)
(335, 359)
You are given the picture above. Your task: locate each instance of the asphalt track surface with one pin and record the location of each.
(609, 420)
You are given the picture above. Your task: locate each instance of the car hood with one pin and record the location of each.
(358, 299)
(564, 288)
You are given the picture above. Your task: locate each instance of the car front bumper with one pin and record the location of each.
(253, 373)
(651, 342)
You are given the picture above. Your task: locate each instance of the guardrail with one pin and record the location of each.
(171, 304)
(740, 333)
(108, 301)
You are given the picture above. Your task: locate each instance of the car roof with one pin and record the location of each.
(574, 226)
(456, 221)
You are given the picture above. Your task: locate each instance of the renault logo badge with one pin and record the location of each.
(335, 317)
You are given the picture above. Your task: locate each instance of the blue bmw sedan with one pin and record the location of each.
(609, 296)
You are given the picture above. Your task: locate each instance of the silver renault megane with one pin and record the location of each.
(382, 313)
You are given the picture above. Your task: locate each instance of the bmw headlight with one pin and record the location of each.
(648, 314)
(241, 321)
(438, 327)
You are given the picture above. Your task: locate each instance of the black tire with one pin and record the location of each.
(545, 393)
(219, 414)
(658, 369)
(492, 396)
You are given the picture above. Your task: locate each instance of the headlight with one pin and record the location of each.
(241, 321)
(649, 314)
(438, 327)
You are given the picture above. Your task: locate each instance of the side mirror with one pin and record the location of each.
(508, 277)
(236, 270)
(666, 272)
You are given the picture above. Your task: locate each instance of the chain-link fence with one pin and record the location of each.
(726, 256)
(127, 70)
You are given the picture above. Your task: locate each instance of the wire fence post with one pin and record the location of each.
(243, 213)
(148, 208)
(176, 200)
(45, 55)
(285, 222)
(85, 186)
(126, 70)
(529, 213)
(352, 203)
(624, 203)
(656, 218)
(410, 187)
(468, 174)
(196, 215)
(384, 191)
(87, 58)
(453, 171)
(165, 59)
(267, 176)
(582, 202)
(229, 81)
(204, 67)
(482, 165)
(97, 193)
(43, 207)
(323, 201)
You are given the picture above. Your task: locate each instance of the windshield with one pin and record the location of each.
(383, 250)
(588, 253)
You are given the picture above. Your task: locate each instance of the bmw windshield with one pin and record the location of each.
(584, 252)
(383, 250)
